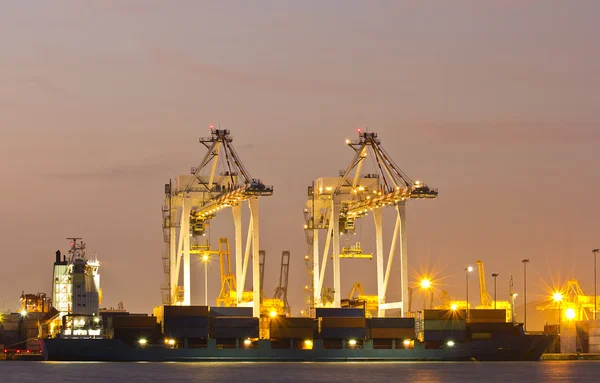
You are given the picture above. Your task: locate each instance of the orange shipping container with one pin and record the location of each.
(392, 333)
(343, 322)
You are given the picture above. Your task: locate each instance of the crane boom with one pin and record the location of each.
(485, 298)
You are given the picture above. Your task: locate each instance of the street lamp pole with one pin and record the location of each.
(595, 252)
(525, 262)
(495, 300)
(205, 261)
(468, 269)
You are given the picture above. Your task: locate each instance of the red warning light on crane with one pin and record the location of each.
(211, 127)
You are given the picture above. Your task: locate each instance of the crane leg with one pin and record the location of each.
(377, 216)
(237, 221)
(255, 257)
(336, 254)
(401, 208)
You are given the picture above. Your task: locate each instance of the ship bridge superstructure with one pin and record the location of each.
(219, 182)
(335, 204)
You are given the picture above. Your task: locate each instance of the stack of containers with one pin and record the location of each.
(583, 336)
(341, 323)
(488, 323)
(444, 325)
(292, 328)
(487, 316)
(181, 322)
(233, 323)
(131, 328)
(392, 328)
(594, 336)
(568, 338)
(552, 329)
(10, 332)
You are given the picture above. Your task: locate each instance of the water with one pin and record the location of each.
(506, 372)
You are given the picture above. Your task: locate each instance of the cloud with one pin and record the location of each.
(130, 171)
(514, 132)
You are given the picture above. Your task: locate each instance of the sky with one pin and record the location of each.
(495, 103)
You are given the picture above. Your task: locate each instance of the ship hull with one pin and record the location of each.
(112, 350)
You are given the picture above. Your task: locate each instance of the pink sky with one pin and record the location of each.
(496, 103)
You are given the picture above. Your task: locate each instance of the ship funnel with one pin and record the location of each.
(57, 256)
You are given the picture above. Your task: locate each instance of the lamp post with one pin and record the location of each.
(426, 286)
(595, 252)
(468, 269)
(558, 297)
(525, 262)
(205, 259)
(495, 300)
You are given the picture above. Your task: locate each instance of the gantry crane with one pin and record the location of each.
(571, 297)
(484, 297)
(486, 301)
(335, 203)
(282, 290)
(357, 298)
(195, 199)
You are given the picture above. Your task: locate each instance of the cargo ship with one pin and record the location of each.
(201, 333)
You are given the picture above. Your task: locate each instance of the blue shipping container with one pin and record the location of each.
(343, 333)
(187, 333)
(190, 322)
(340, 313)
(234, 333)
(231, 311)
(444, 336)
(393, 323)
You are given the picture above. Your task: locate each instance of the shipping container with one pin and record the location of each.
(293, 322)
(188, 322)
(343, 333)
(444, 325)
(292, 333)
(343, 322)
(568, 339)
(185, 311)
(232, 322)
(487, 314)
(481, 335)
(132, 336)
(393, 323)
(234, 332)
(594, 323)
(183, 332)
(444, 336)
(323, 312)
(231, 311)
(492, 327)
(443, 314)
(392, 333)
(134, 322)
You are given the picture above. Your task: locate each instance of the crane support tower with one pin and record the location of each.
(282, 290)
(336, 203)
(194, 199)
